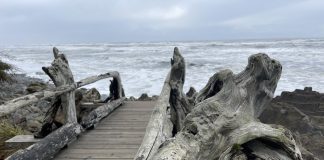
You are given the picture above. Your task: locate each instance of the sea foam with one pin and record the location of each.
(144, 66)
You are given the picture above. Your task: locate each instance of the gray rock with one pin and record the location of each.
(33, 126)
(18, 118)
(155, 97)
(144, 97)
(43, 105)
(131, 98)
(34, 109)
(300, 111)
(36, 87)
(91, 95)
(191, 92)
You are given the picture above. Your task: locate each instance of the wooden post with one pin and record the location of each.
(61, 75)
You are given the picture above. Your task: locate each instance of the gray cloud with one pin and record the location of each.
(59, 21)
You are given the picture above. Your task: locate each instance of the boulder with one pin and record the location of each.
(302, 112)
(191, 92)
(36, 87)
(33, 125)
(144, 97)
(131, 98)
(91, 95)
(155, 97)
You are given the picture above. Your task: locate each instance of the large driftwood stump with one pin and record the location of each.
(61, 75)
(224, 123)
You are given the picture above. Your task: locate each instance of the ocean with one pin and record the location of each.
(144, 66)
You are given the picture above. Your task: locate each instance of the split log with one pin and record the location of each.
(224, 122)
(180, 106)
(169, 112)
(61, 75)
(92, 79)
(159, 128)
(50, 145)
(101, 112)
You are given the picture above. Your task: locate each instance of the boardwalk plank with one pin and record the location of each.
(117, 137)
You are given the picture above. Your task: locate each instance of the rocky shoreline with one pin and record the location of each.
(301, 111)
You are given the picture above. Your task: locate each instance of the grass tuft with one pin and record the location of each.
(4, 69)
(8, 130)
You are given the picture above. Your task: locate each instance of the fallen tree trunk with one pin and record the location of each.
(50, 145)
(224, 121)
(101, 112)
(159, 128)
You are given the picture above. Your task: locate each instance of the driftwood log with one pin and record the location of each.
(101, 112)
(14, 104)
(223, 124)
(50, 145)
(160, 127)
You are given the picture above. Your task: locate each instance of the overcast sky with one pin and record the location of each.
(93, 21)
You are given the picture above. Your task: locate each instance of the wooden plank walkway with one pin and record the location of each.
(116, 137)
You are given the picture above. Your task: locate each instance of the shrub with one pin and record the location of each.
(8, 130)
(4, 69)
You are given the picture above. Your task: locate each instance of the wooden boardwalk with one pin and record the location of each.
(116, 137)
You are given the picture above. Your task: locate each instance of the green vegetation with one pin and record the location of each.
(4, 69)
(8, 130)
(236, 147)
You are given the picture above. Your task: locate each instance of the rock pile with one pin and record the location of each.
(302, 112)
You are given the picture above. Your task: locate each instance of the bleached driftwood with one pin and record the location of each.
(169, 111)
(101, 112)
(61, 75)
(224, 123)
(12, 105)
(50, 145)
(159, 127)
(179, 103)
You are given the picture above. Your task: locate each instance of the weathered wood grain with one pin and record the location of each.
(50, 145)
(225, 116)
(111, 142)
